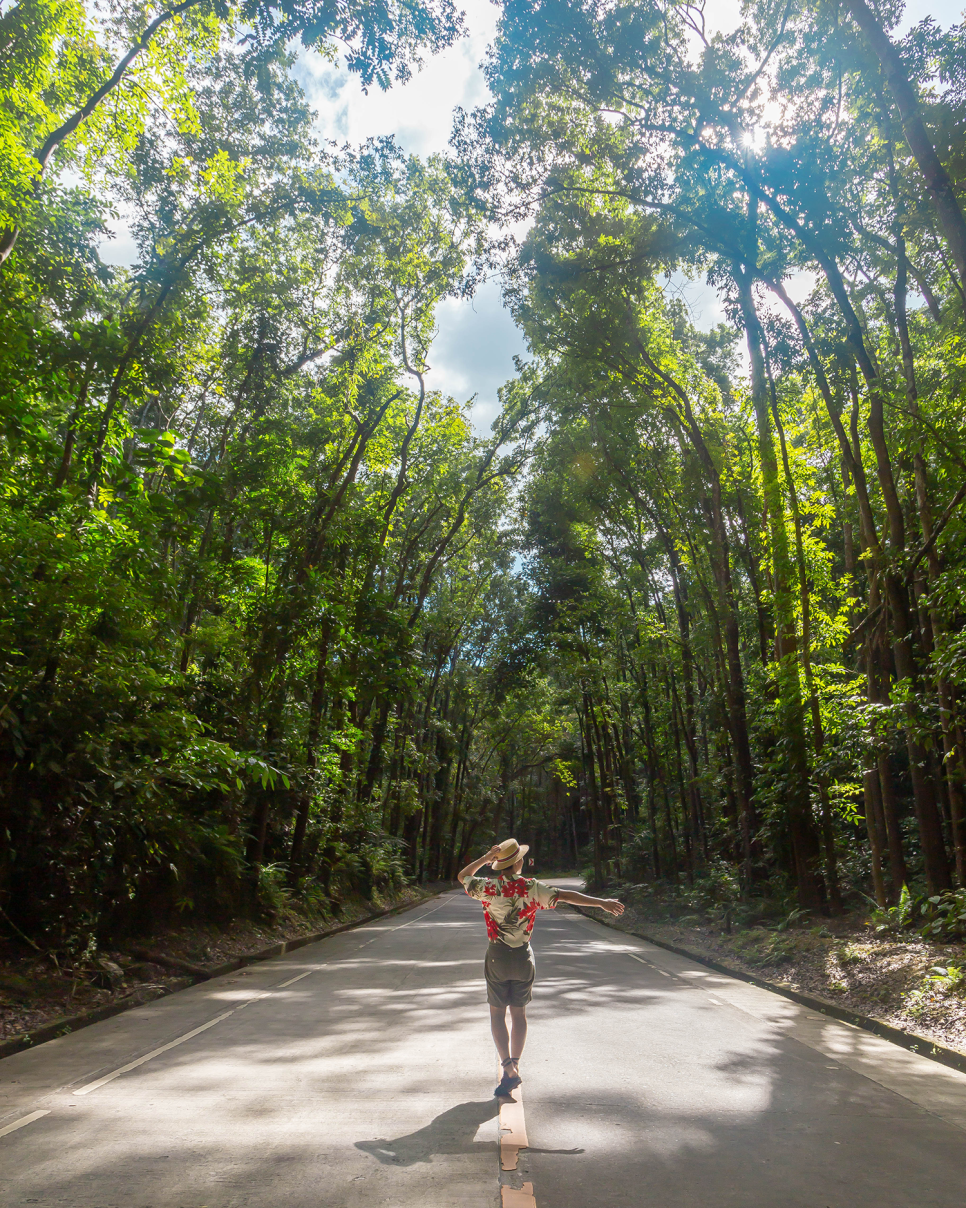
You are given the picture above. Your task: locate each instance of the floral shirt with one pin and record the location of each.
(510, 905)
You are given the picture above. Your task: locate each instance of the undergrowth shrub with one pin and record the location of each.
(939, 916)
(949, 978)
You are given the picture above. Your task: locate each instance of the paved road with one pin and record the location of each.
(358, 1072)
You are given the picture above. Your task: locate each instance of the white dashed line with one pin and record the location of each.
(292, 980)
(9, 1128)
(133, 1065)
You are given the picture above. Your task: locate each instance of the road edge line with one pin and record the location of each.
(133, 1065)
(66, 1025)
(920, 1046)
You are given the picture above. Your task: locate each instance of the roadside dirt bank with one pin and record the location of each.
(39, 989)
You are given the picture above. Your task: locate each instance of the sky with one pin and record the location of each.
(477, 340)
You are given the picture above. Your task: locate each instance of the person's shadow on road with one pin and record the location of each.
(451, 1132)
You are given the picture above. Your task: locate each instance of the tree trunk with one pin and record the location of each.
(588, 761)
(937, 180)
(801, 828)
(818, 735)
(875, 847)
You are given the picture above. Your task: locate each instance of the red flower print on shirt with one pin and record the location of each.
(515, 889)
(510, 905)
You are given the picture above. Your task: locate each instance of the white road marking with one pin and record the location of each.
(292, 980)
(132, 1065)
(663, 972)
(9, 1128)
(648, 963)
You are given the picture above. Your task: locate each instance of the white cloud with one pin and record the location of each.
(723, 16)
(473, 351)
(476, 338)
(420, 113)
(119, 247)
(943, 12)
(703, 302)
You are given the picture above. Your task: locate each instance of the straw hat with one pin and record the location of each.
(510, 852)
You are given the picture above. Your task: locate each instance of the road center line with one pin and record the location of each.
(513, 1131)
(9, 1128)
(513, 1138)
(512, 1198)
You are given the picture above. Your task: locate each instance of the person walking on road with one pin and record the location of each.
(510, 904)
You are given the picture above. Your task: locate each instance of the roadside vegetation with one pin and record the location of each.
(278, 625)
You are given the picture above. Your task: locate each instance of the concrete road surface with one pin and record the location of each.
(359, 1072)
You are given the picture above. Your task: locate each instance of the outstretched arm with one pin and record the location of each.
(611, 905)
(475, 864)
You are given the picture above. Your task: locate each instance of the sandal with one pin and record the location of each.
(509, 1082)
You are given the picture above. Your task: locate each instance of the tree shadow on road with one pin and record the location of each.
(679, 1100)
(453, 1131)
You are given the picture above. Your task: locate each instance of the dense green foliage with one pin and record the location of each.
(752, 579)
(239, 536)
(272, 611)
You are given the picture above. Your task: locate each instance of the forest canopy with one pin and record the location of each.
(278, 621)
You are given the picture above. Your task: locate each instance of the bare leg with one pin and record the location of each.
(501, 1037)
(518, 1035)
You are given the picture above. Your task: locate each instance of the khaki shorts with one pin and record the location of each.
(509, 974)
